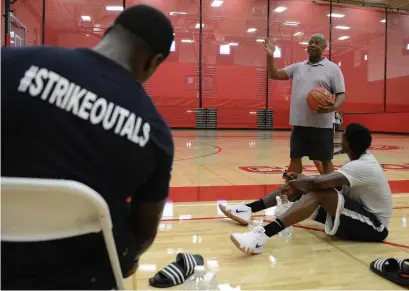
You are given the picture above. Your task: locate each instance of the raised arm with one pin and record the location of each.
(273, 72)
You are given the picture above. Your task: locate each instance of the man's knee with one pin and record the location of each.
(310, 196)
(328, 199)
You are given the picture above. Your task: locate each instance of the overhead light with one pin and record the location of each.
(173, 13)
(260, 40)
(225, 49)
(336, 15)
(303, 43)
(407, 46)
(343, 37)
(342, 27)
(298, 33)
(198, 25)
(291, 23)
(217, 3)
(187, 40)
(86, 18)
(277, 52)
(383, 20)
(234, 43)
(339, 64)
(252, 30)
(114, 8)
(365, 57)
(280, 9)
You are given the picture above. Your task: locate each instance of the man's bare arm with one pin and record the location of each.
(320, 182)
(145, 218)
(339, 100)
(273, 72)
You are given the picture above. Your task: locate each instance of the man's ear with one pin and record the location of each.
(154, 63)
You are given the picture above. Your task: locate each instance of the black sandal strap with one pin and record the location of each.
(173, 272)
(386, 265)
(189, 263)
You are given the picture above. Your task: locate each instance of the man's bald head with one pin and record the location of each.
(320, 37)
(316, 45)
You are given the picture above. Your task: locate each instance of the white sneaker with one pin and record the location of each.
(251, 243)
(241, 213)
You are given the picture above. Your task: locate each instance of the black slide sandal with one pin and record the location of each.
(177, 272)
(404, 267)
(394, 270)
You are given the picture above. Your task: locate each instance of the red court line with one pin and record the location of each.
(223, 217)
(200, 218)
(218, 150)
(271, 136)
(265, 220)
(384, 242)
(395, 244)
(245, 192)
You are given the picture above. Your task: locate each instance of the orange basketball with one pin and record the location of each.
(318, 96)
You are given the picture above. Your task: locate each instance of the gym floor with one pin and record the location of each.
(235, 166)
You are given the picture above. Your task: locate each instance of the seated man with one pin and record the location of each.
(82, 114)
(354, 202)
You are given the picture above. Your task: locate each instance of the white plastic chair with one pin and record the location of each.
(44, 209)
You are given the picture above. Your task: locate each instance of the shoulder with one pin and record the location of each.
(31, 51)
(294, 68)
(333, 67)
(160, 132)
(299, 64)
(23, 57)
(366, 161)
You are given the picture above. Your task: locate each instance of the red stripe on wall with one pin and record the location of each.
(381, 122)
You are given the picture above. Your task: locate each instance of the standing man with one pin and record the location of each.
(312, 134)
(83, 115)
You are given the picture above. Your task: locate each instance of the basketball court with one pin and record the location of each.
(234, 166)
(222, 166)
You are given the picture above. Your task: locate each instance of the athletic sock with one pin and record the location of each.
(257, 205)
(274, 227)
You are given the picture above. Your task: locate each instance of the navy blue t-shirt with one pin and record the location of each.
(75, 114)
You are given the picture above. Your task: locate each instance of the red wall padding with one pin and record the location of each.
(381, 122)
(235, 84)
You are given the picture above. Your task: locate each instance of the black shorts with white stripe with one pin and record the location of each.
(352, 222)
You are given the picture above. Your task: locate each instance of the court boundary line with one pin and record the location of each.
(338, 248)
(404, 136)
(218, 150)
(172, 220)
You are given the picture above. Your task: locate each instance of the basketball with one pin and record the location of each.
(318, 96)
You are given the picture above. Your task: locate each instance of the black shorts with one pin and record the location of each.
(312, 142)
(351, 222)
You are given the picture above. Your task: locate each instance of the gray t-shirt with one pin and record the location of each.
(307, 76)
(369, 186)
